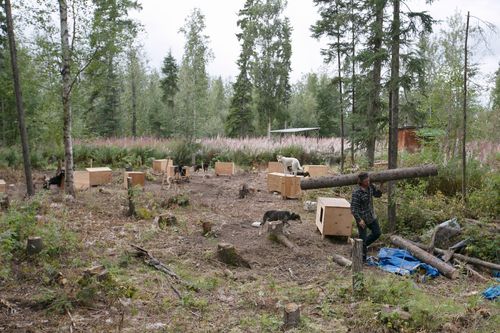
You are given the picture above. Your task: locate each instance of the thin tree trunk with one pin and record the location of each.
(19, 100)
(374, 99)
(66, 98)
(340, 106)
(464, 134)
(134, 96)
(394, 115)
(353, 82)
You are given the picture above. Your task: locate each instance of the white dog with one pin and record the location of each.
(290, 162)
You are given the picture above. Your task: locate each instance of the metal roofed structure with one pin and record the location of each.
(284, 131)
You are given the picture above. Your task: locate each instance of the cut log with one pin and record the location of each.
(461, 257)
(291, 316)
(357, 266)
(275, 232)
(428, 258)
(378, 176)
(34, 245)
(342, 261)
(228, 255)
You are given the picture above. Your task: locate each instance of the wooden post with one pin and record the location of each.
(130, 190)
(34, 245)
(440, 265)
(357, 266)
(291, 316)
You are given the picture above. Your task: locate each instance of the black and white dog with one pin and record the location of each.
(56, 180)
(279, 215)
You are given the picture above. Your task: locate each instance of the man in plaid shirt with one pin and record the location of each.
(362, 210)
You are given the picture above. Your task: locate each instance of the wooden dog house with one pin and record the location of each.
(92, 177)
(274, 167)
(316, 170)
(162, 165)
(3, 186)
(287, 185)
(333, 217)
(224, 168)
(138, 178)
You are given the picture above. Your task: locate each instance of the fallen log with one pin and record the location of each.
(342, 261)
(376, 176)
(461, 257)
(445, 269)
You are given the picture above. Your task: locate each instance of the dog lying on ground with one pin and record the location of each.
(56, 180)
(300, 173)
(290, 162)
(279, 215)
(198, 167)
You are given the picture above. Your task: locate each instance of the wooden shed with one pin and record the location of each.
(407, 139)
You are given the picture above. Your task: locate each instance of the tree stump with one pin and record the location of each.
(291, 316)
(357, 266)
(275, 232)
(130, 196)
(99, 272)
(34, 245)
(206, 227)
(228, 255)
(4, 202)
(165, 220)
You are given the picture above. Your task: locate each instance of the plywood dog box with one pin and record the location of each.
(162, 165)
(274, 167)
(3, 186)
(287, 185)
(333, 217)
(224, 168)
(92, 177)
(138, 178)
(316, 170)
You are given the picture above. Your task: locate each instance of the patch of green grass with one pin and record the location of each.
(195, 302)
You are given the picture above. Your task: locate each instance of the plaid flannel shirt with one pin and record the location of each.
(362, 203)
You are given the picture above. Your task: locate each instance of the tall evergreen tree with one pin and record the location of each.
(239, 122)
(193, 77)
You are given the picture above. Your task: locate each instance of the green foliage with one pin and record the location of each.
(20, 222)
(109, 289)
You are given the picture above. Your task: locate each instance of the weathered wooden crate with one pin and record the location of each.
(274, 167)
(287, 185)
(92, 177)
(224, 168)
(333, 217)
(3, 186)
(316, 170)
(138, 178)
(162, 165)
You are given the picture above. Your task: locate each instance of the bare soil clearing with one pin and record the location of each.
(229, 299)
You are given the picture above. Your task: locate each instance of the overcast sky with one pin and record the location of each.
(163, 18)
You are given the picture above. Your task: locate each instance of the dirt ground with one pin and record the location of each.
(229, 299)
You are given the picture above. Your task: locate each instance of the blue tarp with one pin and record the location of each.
(492, 292)
(401, 262)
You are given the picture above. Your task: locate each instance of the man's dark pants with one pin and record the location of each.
(374, 235)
